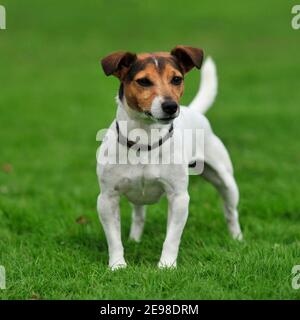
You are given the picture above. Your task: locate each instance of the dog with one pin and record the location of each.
(151, 85)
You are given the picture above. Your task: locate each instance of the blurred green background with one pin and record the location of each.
(53, 100)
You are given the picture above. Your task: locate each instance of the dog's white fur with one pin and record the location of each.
(145, 184)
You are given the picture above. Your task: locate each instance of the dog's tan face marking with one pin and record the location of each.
(153, 83)
(152, 76)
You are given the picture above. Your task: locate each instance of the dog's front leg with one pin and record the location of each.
(109, 213)
(177, 216)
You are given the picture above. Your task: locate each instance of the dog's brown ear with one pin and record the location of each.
(118, 63)
(188, 57)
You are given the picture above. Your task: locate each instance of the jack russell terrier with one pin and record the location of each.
(151, 86)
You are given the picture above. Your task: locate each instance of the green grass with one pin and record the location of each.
(53, 99)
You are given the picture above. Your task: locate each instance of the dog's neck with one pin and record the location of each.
(137, 121)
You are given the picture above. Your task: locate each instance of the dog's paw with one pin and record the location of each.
(167, 264)
(117, 265)
(238, 236)
(135, 233)
(236, 232)
(134, 238)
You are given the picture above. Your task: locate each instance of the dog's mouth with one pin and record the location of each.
(165, 120)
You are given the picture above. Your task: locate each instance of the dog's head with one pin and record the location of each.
(152, 84)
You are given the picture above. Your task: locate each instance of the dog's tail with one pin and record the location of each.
(208, 87)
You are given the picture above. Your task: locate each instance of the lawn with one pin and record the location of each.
(53, 100)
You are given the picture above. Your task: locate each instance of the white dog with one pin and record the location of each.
(150, 88)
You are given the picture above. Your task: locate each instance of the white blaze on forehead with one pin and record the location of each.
(155, 62)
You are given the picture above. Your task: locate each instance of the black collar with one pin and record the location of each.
(133, 144)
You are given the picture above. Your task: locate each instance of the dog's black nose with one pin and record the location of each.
(169, 107)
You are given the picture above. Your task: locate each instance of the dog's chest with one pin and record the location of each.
(141, 184)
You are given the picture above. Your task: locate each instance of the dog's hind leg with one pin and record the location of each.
(218, 171)
(138, 221)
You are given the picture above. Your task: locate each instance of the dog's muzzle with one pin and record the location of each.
(169, 107)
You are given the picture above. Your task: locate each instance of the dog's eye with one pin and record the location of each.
(176, 80)
(144, 82)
